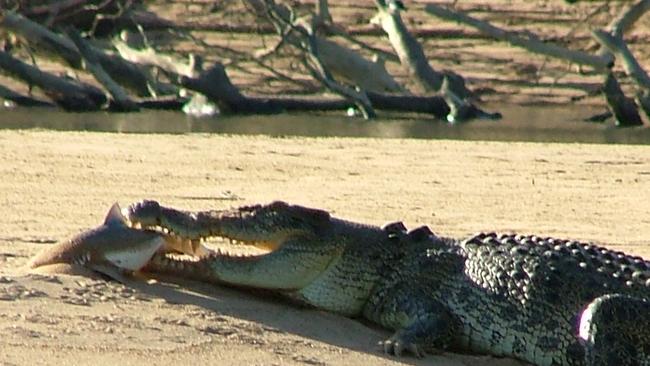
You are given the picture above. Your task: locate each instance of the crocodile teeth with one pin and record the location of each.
(221, 251)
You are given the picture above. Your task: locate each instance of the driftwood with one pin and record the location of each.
(68, 94)
(41, 39)
(148, 56)
(22, 100)
(449, 85)
(622, 107)
(215, 84)
(408, 49)
(52, 44)
(120, 99)
(600, 63)
(626, 19)
(616, 46)
(168, 102)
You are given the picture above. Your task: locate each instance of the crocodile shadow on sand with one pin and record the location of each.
(270, 309)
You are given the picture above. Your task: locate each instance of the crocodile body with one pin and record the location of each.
(542, 300)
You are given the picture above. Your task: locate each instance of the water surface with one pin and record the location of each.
(541, 124)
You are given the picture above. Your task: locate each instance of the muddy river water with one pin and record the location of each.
(540, 124)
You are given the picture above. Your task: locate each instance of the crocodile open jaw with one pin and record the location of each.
(253, 226)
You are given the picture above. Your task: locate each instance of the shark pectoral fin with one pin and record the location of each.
(115, 216)
(112, 271)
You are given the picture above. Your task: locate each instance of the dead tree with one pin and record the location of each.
(623, 108)
(68, 94)
(216, 85)
(120, 99)
(449, 85)
(616, 46)
(600, 63)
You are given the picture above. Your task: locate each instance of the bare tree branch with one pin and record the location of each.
(408, 49)
(121, 100)
(59, 46)
(600, 63)
(303, 37)
(626, 19)
(148, 56)
(617, 46)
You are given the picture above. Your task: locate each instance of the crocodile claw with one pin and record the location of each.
(395, 345)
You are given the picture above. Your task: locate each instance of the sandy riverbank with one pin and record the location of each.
(56, 184)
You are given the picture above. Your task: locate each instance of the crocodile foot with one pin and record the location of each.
(400, 342)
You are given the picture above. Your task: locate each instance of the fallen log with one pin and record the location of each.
(55, 45)
(215, 84)
(70, 95)
(120, 99)
(41, 39)
(22, 100)
(169, 102)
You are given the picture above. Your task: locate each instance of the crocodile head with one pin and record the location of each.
(301, 243)
(263, 226)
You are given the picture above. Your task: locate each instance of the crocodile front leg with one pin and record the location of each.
(615, 330)
(422, 325)
(294, 234)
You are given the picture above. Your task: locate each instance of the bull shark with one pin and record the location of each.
(113, 249)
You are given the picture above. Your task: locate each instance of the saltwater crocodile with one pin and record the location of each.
(543, 300)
